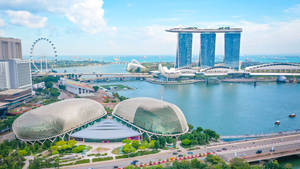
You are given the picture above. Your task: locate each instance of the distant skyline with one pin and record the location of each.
(137, 27)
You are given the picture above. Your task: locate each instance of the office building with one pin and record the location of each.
(207, 52)
(10, 48)
(184, 50)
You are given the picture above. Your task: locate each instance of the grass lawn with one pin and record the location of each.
(116, 150)
(101, 149)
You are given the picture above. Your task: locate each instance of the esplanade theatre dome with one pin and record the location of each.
(152, 115)
(56, 119)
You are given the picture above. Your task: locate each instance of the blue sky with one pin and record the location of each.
(136, 27)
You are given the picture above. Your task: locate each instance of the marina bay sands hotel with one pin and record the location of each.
(232, 38)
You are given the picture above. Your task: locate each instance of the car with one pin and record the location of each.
(180, 155)
(116, 166)
(224, 148)
(218, 150)
(175, 153)
(190, 152)
(258, 151)
(134, 162)
(272, 150)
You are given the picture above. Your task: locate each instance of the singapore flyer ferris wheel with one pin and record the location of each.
(43, 58)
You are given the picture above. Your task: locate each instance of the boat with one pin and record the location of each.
(277, 122)
(292, 115)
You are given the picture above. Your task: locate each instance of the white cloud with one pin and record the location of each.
(25, 18)
(88, 15)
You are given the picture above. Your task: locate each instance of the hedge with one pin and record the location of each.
(102, 159)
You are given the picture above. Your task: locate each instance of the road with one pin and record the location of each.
(226, 150)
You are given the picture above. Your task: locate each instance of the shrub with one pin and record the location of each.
(82, 161)
(102, 159)
(22, 153)
(55, 152)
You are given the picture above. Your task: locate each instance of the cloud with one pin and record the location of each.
(2, 23)
(88, 15)
(25, 18)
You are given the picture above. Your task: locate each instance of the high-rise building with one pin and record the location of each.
(232, 49)
(184, 50)
(10, 48)
(14, 74)
(207, 52)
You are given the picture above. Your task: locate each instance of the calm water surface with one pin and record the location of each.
(228, 108)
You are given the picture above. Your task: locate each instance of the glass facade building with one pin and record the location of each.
(207, 52)
(184, 50)
(232, 49)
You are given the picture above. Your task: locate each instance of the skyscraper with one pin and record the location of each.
(14, 74)
(207, 52)
(232, 49)
(10, 48)
(184, 50)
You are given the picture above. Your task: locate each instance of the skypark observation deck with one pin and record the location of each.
(232, 38)
(197, 30)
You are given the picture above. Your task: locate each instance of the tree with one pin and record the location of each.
(272, 165)
(48, 84)
(197, 164)
(35, 163)
(127, 148)
(152, 143)
(135, 144)
(96, 88)
(54, 92)
(214, 159)
(162, 142)
(190, 127)
(78, 149)
(212, 134)
(186, 142)
(238, 163)
(72, 143)
(127, 141)
(116, 95)
(199, 129)
(62, 87)
(156, 144)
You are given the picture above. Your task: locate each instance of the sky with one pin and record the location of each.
(137, 27)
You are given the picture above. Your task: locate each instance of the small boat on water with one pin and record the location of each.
(292, 115)
(277, 122)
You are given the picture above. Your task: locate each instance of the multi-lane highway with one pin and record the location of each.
(251, 150)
